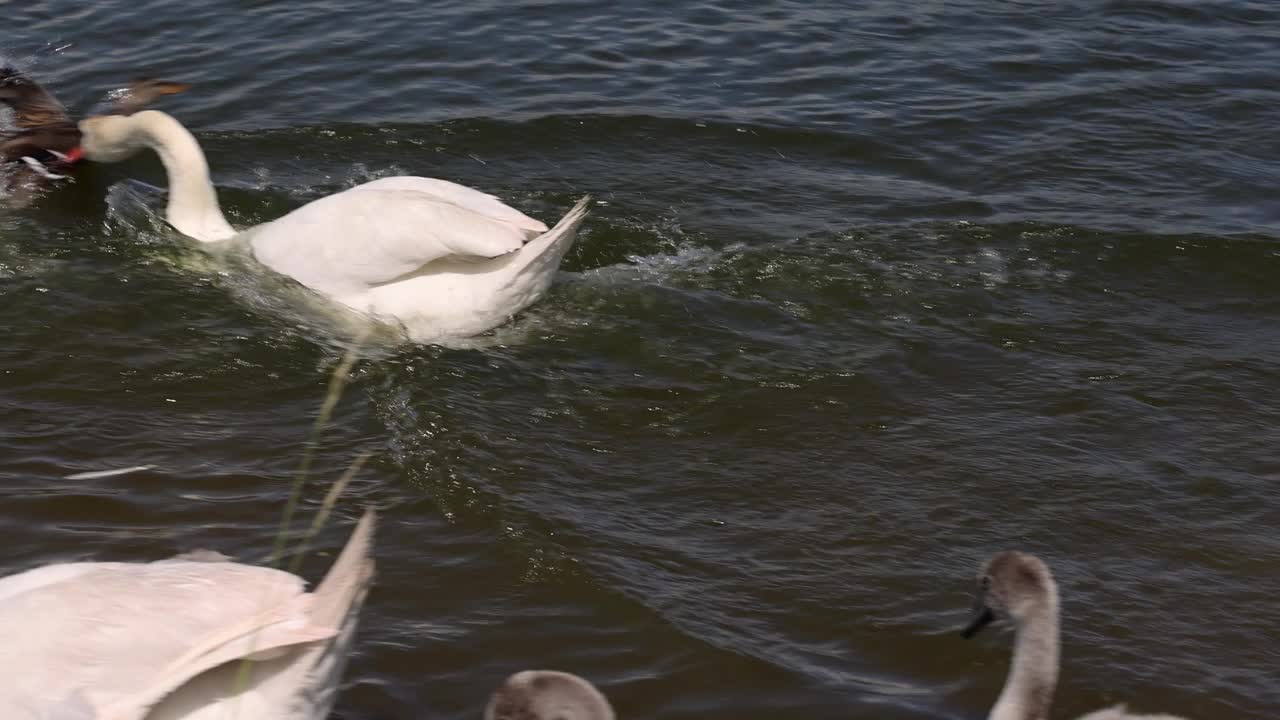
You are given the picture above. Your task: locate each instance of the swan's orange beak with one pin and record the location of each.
(75, 155)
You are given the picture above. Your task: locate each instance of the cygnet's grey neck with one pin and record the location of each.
(1033, 675)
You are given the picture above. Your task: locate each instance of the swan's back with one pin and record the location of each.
(75, 627)
(470, 199)
(111, 640)
(378, 232)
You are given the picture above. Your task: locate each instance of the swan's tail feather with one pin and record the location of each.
(336, 604)
(549, 248)
(343, 588)
(330, 613)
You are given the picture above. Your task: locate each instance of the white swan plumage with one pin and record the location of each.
(437, 258)
(163, 640)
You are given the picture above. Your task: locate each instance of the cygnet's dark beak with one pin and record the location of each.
(982, 614)
(981, 619)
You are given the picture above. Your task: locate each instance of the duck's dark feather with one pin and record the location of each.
(37, 143)
(33, 106)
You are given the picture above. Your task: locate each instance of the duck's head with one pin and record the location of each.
(547, 695)
(16, 87)
(12, 85)
(117, 134)
(1011, 583)
(141, 93)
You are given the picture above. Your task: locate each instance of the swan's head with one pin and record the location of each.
(112, 138)
(547, 695)
(1011, 583)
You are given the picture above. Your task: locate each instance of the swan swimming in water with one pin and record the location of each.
(164, 640)
(439, 259)
(1020, 586)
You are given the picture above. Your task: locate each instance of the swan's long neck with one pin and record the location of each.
(193, 204)
(1028, 691)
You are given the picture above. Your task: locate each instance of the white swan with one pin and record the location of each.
(1021, 586)
(163, 640)
(440, 259)
(547, 695)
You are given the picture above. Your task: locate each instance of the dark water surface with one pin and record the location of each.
(871, 293)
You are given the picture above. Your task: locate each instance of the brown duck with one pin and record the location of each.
(45, 144)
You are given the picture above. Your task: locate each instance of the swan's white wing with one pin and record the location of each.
(381, 231)
(295, 682)
(111, 630)
(478, 202)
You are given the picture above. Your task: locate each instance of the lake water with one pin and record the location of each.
(872, 291)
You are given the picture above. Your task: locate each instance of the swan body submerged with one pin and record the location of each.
(163, 640)
(437, 258)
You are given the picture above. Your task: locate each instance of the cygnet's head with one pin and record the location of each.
(1012, 583)
(547, 695)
